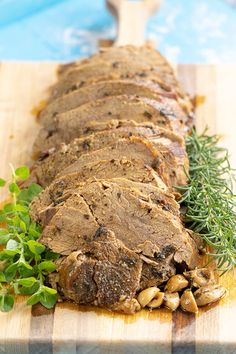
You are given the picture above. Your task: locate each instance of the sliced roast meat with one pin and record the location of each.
(47, 203)
(132, 54)
(103, 273)
(89, 73)
(101, 89)
(160, 110)
(110, 105)
(106, 273)
(110, 154)
(133, 220)
(130, 148)
(132, 169)
(146, 53)
(120, 70)
(77, 122)
(62, 188)
(172, 145)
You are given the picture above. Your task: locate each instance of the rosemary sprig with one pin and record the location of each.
(208, 198)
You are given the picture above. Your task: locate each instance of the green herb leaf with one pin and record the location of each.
(22, 172)
(48, 300)
(34, 231)
(35, 247)
(48, 266)
(2, 182)
(34, 299)
(8, 254)
(21, 208)
(30, 290)
(13, 188)
(6, 303)
(4, 236)
(10, 271)
(208, 198)
(48, 290)
(8, 208)
(28, 194)
(24, 263)
(27, 282)
(23, 226)
(2, 277)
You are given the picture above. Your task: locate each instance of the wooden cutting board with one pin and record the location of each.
(69, 329)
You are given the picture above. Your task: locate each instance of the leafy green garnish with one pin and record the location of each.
(24, 262)
(208, 198)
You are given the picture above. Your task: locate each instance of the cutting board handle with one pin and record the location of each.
(132, 16)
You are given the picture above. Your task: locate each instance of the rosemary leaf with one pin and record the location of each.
(208, 198)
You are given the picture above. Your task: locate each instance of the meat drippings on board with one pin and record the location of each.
(111, 152)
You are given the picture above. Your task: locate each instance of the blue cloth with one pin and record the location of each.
(184, 30)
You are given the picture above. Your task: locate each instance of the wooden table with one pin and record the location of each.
(68, 329)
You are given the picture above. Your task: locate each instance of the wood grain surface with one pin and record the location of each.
(72, 330)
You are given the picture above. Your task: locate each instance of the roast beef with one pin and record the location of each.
(168, 143)
(144, 59)
(91, 91)
(130, 148)
(120, 70)
(62, 187)
(111, 152)
(47, 203)
(144, 54)
(76, 122)
(143, 227)
(106, 273)
(116, 106)
(88, 73)
(161, 111)
(143, 62)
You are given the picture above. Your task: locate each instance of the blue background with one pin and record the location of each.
(184, 30)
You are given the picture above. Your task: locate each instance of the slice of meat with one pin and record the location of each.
(169, 143)
(129, 148)
(132, 54)
(127, 61)
(89, 73)
(122, 69)
(86, 118)
(94, 90)
(105, 105)
(101, 89)
(106, 273)
(64, 186)
(115, 106)
(46, 204)
(133, 220)
(103, 273)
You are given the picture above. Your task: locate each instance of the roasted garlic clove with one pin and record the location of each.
(147, 295)
(176, 283)
(157, 301)
(208, 294)
(171, 301)
(200, 277)
(187, 302)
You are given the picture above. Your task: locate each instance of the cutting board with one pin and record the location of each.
(71, 329)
